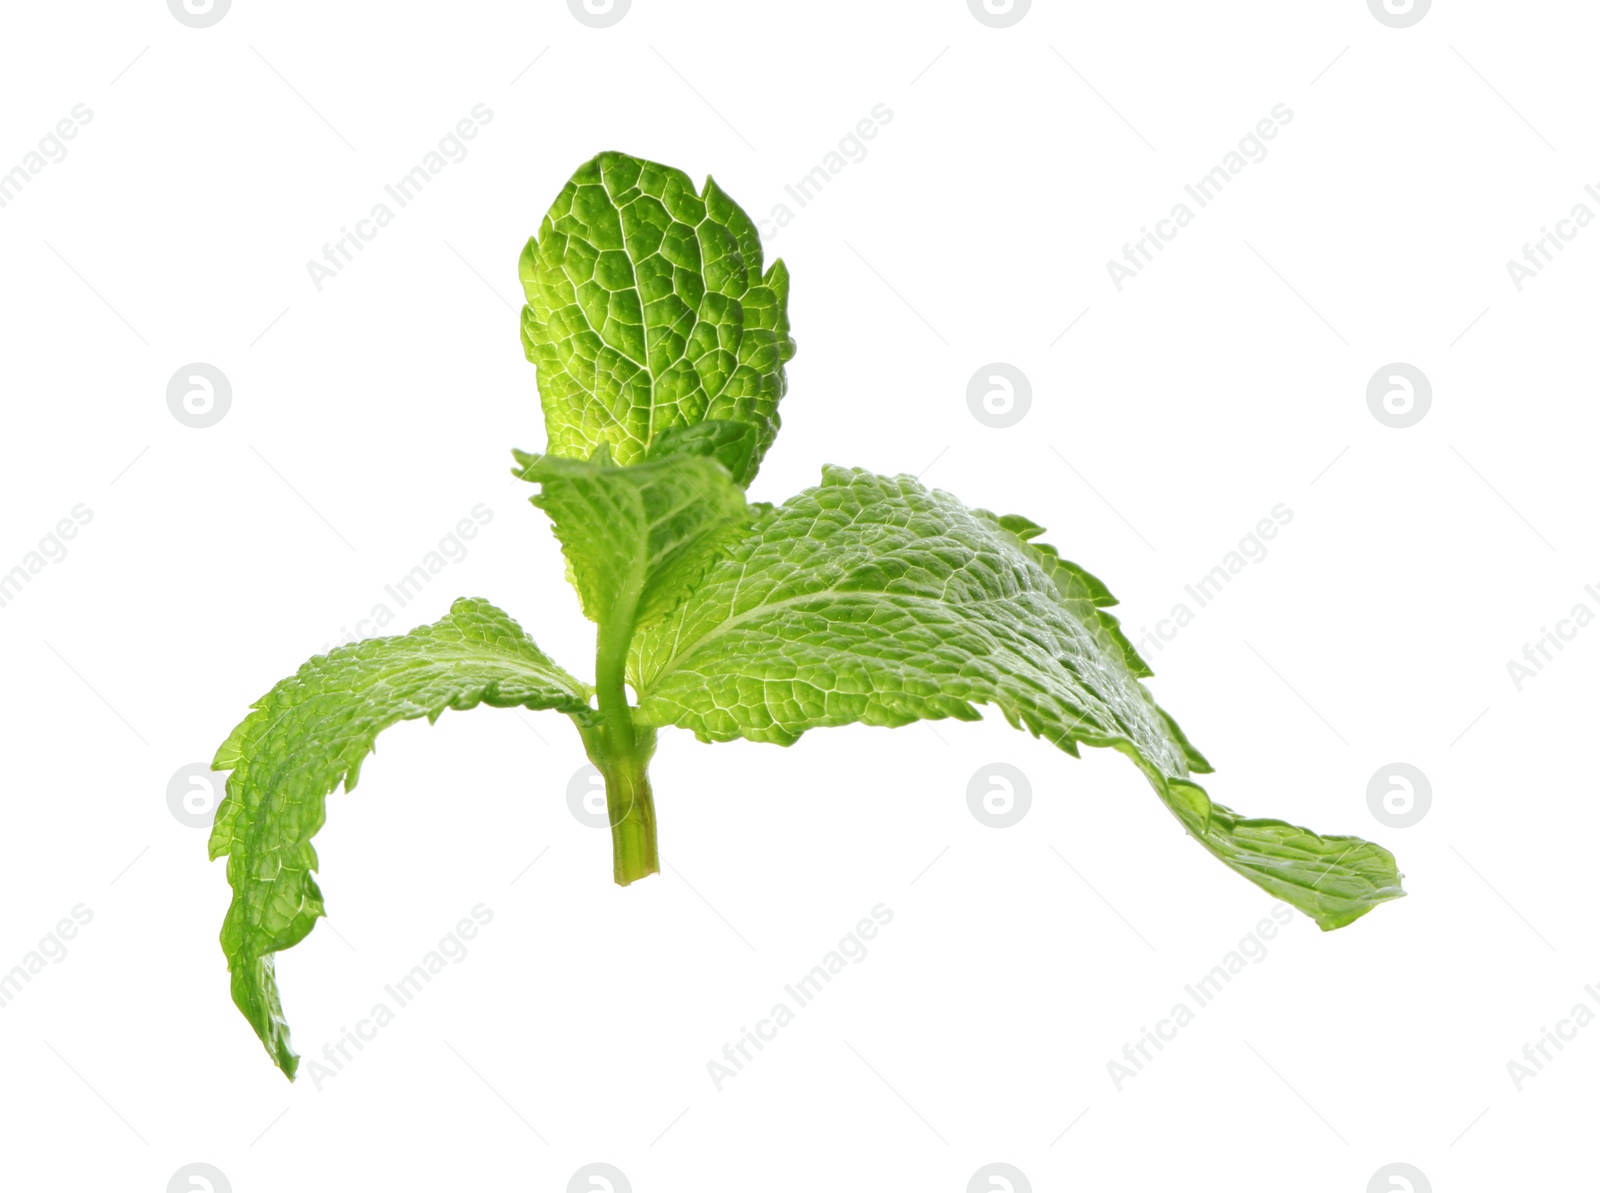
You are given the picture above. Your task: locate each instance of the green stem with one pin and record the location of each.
(621, 752)
(632, 811)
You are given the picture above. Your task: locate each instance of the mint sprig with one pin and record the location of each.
(660, 343)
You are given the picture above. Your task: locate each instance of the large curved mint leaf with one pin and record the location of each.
(647, 309)
(876, 600)
(311, 732)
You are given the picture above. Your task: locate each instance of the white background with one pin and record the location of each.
(370, 416)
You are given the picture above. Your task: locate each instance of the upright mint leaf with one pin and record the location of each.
(310, 732)
(647, 309)
(875, 600)
(637, 538)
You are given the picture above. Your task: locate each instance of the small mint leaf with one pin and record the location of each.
(637, 538)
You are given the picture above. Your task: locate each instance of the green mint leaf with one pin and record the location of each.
(876, 600)
(647, 309)
(1334, 880)
(734, 445)
(310, 732)
(638, 538)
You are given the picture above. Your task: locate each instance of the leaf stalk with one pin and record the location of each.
(621, 751)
